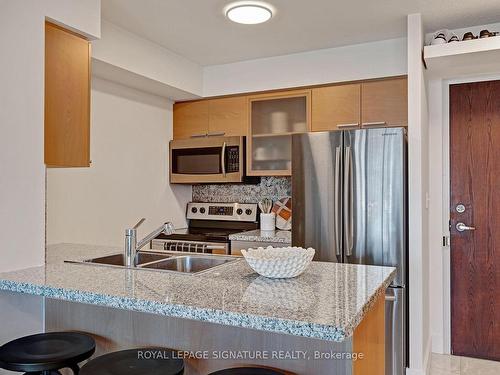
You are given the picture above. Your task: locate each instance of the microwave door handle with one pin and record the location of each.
(223, 159)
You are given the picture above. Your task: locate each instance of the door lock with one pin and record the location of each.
(461, 227)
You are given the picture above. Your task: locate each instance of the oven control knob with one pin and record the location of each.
(248, 211)
(239, 211)
(202, 210)
(194, 210)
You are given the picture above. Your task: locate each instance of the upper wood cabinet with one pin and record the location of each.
(213, 117)
(336, 107)
(384, 103)
(228, 116)
(274, 118)
(67, 98)
(190, 119)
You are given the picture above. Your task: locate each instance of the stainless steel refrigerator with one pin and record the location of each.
(349, 199)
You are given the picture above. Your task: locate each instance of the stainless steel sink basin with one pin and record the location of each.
(117, 259)
(188, 263)
(168, 262)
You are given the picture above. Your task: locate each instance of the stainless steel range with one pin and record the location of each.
(210, 225)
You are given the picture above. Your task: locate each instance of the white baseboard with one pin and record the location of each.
(426, 366)
(427, 357)
(411, 371)
(438, 344)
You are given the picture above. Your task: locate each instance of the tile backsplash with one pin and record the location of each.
(269, 187)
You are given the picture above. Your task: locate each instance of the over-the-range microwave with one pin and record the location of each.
(207, 160)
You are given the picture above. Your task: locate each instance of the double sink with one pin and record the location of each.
(182, 263)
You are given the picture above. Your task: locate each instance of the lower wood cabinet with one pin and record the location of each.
(67, 98)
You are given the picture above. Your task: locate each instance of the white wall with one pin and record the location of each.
(158, 66)
(81, 16)
(128, 178)
(356, 62)
(22, 170)
(436, 228)
(418, 175)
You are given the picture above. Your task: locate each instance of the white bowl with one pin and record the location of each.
(279, 263)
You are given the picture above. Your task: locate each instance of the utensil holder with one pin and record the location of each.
(267, 221)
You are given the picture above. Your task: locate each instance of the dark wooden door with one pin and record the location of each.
(475, 253)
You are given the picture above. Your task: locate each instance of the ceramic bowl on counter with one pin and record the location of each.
(279, 263)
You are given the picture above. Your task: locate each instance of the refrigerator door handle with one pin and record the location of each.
(336, 204)
(348, 202)
(389, 298)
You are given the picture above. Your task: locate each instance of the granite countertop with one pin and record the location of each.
(327, 302)
(257, 235)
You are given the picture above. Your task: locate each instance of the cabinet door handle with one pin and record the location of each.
(216, 134)
(375, 123)
(355, 124)
(201, 135)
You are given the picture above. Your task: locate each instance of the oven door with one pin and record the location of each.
(190, 246)
(207, 160)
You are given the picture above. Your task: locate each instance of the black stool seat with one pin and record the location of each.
(247, 371)
(46, 351)
(147, 361)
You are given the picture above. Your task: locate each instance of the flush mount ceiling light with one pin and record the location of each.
(249, 13)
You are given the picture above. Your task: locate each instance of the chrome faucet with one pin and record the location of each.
(132, 247)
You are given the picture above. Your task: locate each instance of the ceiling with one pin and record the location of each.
(199, 31)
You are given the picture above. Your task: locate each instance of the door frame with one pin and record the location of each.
(445, 203)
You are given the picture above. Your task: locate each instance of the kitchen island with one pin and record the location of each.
(317, 323)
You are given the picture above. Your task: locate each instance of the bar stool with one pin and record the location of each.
(46, 353)
(248, 371)
(141, 361)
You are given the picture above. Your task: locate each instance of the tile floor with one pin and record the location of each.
(451, 365)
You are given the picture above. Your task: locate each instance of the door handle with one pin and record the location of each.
(223, 159)
(216, 134)
(348, 202)
(353, 125)
(461, 227)
(390, 298)
(201, 135)
(336, 201)
(375, 123)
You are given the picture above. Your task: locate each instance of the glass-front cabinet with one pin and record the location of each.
(274, 118)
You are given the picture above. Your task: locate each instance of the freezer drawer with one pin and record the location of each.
(395, 331)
